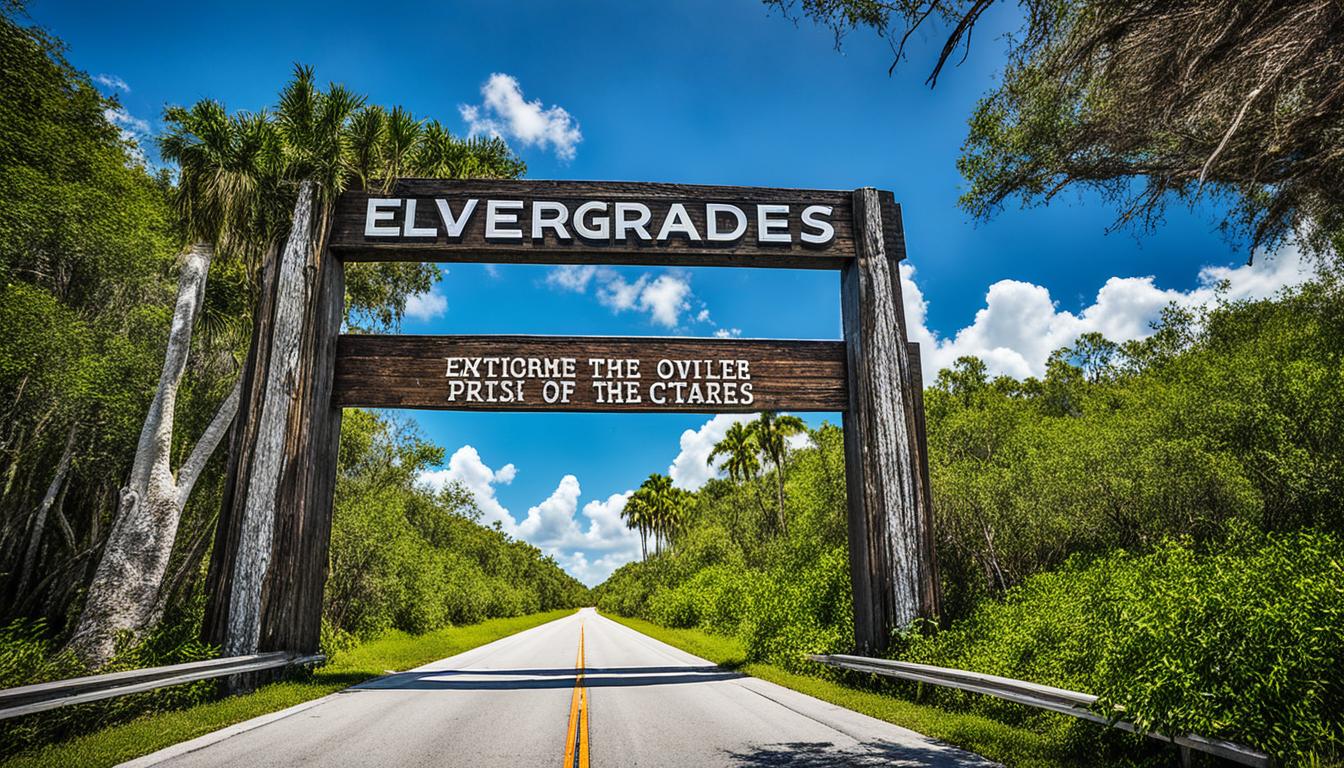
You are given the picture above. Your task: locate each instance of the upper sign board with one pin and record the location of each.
(571, 222)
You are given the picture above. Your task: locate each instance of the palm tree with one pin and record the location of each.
(636, 515)
(742, 461)
(664, 506)
(223, 163)
(772, 432)
(741, 451)
(368, 145)
(657, 486)
(403, 134)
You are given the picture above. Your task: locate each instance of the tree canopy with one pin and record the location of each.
(1148, 102)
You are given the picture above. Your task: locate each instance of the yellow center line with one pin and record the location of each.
(576, 740)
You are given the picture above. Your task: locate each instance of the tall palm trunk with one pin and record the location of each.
(125, 587)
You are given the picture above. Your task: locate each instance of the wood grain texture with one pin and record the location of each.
(280, 392)
(292, 594)
(242, 444)
(932, 591)
(410, 371)
(888, 563)
(349, 241)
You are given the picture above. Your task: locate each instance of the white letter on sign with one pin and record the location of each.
(599, 228)
(454, 225)
(678, 222)
(712, 211)
(768, 229)
(372, 216)
(408, 227)
(825, 232)
(494, 216)
(638, 224)
(541, 222)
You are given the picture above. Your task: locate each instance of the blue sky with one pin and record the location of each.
(710, 92)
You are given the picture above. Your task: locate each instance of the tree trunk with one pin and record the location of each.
(43, 510)
(125, 585)
(280, 388)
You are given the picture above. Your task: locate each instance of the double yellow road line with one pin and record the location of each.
(576, 743)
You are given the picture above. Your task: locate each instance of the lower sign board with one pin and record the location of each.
(553, 373)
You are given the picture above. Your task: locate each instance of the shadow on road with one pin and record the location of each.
(569, 671)
(808, 754)
(521, 679)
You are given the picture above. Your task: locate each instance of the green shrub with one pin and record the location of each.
(1246, 644)
(407, 557)
(714, 599)
(781, 614)
(795, 613)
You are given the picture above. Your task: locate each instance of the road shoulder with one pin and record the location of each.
(978, 735)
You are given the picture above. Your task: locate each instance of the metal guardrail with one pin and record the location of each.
(28, 699)
(1038, 696)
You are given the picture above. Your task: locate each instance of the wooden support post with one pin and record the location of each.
(292, 593)
(931, 589)
(289, 604)
(242, 442)
(888, 542)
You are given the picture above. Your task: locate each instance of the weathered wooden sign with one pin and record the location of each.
(871, 376)
(600, 222)
(539, 373)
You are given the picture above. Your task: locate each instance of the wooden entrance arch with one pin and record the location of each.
(871, 376)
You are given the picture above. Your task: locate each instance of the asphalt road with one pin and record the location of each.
(522, 701)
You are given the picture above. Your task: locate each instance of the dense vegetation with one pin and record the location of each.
(1160, 523)
(407, 557)
(89, 240)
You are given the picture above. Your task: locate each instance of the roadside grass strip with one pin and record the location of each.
(975, 733)
(392, 651)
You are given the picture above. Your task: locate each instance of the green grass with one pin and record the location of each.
(392, 651)
(985, 736)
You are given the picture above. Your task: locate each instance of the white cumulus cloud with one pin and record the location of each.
(691, 469)
(557, 525)
(426, 306)
(551, 523)
(1021, 323)
(664, 298)
(594, 572)
(505, 113)
(606, 529)
(112, 81)
(466, 467)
